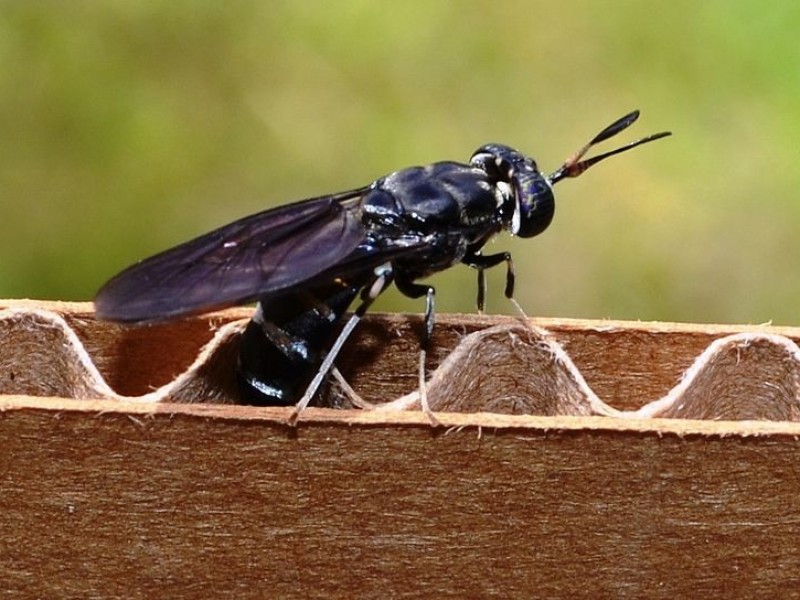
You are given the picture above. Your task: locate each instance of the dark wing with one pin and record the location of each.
(267, 252)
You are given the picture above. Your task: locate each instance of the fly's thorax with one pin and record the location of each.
(438, 197)
(442, 251)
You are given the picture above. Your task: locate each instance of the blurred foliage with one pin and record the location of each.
(129, 127)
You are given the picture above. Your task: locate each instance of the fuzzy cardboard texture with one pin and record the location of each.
(587, 487)
(511, 368)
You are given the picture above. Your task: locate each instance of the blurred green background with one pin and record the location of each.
(126, 128)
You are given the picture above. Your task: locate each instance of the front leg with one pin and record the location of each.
(478, 261)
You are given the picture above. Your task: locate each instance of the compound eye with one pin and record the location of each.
(535, 206)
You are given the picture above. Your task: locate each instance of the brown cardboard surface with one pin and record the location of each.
(499, 365)
(109, 488)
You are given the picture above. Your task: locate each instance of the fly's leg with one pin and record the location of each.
(478, 261)
(415, 290)
(382, 279)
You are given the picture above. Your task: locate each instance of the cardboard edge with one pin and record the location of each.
(316, 417)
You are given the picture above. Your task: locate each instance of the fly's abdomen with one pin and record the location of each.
(282, 346)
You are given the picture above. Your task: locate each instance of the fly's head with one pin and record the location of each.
(525, 196)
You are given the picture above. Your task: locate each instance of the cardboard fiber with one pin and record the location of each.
(577, 459)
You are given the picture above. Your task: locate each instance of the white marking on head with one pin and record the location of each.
(503, 193)
(516, 218)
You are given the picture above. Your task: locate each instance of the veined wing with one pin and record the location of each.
(271, 251)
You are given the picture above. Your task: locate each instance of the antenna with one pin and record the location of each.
(574, 166)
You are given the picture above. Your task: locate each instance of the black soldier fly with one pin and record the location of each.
(306, 262)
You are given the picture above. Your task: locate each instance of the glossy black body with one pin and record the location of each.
(418, 220)
(306, 262)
